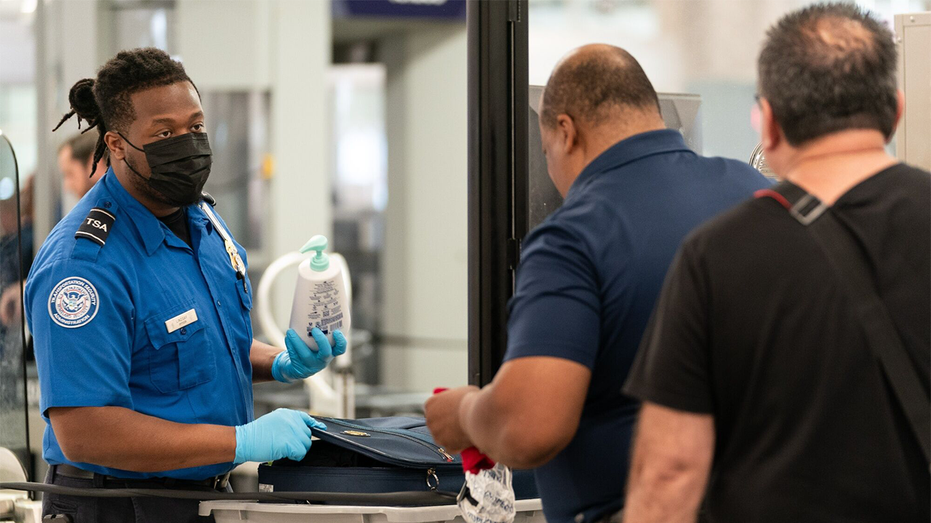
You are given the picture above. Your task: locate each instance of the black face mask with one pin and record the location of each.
(180, 166)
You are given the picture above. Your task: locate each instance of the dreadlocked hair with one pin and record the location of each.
(105, 104)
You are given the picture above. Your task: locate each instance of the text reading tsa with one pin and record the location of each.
(97, 224)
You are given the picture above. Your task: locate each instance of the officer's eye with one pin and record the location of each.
(198, 128)
(164, 134)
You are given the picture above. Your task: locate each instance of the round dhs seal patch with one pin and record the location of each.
(73, 303)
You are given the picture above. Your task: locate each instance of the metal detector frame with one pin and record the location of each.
(497, 170)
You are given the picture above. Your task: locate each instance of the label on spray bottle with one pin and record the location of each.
(320, 297)
(324, 310)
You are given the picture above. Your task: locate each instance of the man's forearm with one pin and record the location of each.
(477, 423)
(658, 496)
(499, 433)
(529, 413)
(670, 466)
(121, 438)
(482, 425)
(262, 356)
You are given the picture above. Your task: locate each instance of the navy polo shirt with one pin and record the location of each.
(587, 282)
(143, 321)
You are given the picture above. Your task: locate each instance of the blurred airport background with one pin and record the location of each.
(348, 118)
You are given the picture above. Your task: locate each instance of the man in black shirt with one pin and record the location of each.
(762, 400)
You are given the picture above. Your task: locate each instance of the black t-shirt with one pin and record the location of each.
(753, 326)
(177, 223)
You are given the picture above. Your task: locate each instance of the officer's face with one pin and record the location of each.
(161, 112)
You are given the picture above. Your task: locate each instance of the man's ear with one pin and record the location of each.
(770, 132)
(116, 144)
(567, 133)
(899, 111)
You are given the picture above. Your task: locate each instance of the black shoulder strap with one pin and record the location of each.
(844, 253)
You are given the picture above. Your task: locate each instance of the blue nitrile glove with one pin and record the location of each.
(284, 433)
(300, 361)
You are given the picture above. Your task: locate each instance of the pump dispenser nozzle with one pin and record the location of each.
(321, 261)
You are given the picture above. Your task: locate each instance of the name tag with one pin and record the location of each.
(181, 320)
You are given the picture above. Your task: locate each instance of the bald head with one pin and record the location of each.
(596, 97)
(595, 83)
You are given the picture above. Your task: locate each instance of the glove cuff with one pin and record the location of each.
(277, 365)
(240, 445)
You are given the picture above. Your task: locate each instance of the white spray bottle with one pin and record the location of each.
(320, 299)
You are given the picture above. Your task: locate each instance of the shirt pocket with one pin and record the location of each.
(244, 288)
(180, 359)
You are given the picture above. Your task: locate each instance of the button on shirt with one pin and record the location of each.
(588, 279)
(144, 322)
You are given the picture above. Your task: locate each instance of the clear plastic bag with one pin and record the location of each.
(488, 496)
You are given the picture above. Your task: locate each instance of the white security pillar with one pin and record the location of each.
(284, 47)
(424, 271)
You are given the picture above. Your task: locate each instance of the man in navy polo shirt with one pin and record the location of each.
(588, 280)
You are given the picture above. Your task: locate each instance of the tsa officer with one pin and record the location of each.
(139, 304)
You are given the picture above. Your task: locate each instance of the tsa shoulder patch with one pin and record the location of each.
(96, 226)
(73, 303)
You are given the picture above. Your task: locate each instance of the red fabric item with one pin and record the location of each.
(472, 459)
(769, 193)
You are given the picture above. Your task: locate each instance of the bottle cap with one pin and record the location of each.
(321, 261)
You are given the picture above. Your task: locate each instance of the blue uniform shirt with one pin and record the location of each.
(143, 322)
(587, 282)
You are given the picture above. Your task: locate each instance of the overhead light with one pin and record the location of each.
(29, 6)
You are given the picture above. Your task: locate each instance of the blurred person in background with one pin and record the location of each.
(76, 163)
(10, 297)
(12, 270)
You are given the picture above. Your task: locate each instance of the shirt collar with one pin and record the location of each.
(196, 215)
(146, 224)
(632, 149)
(149, 227)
